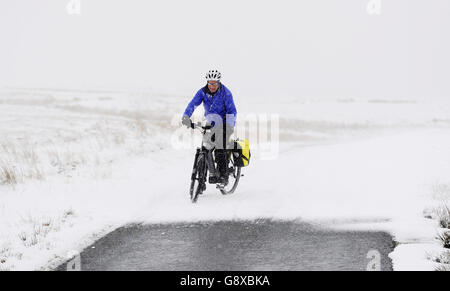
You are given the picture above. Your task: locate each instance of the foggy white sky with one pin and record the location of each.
(314, 48)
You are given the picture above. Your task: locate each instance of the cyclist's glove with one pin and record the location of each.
(186, 121)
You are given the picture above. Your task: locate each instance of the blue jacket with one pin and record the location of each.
(221, 103)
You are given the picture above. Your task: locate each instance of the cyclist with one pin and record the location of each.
(220, 112)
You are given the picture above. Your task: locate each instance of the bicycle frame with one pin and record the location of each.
(201, 167)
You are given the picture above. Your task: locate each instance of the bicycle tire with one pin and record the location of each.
(198, 179)
(237, 176)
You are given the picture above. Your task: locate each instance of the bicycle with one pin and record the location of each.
(200, 169)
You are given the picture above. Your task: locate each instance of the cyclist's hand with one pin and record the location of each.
(186, 121)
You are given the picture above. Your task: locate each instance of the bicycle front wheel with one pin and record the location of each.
(198, 179)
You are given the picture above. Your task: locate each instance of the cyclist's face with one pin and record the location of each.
(213, 86)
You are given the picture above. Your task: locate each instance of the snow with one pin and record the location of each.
(106, 159)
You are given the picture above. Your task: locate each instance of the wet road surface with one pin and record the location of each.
(261, 245)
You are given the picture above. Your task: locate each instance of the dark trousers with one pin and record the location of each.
(220, 154)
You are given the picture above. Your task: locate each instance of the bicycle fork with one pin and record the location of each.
(209, 163)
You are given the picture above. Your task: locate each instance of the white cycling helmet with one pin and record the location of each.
(213, 75)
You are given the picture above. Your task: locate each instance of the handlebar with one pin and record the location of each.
(199, 125)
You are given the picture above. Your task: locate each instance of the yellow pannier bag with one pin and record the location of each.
(242, 153)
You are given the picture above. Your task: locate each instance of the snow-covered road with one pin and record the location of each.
(385, 187)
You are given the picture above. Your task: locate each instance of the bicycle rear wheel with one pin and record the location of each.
(234, 175)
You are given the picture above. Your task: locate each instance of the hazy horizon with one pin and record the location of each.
(272, 49)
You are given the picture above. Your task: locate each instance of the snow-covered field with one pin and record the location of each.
(77, 164)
